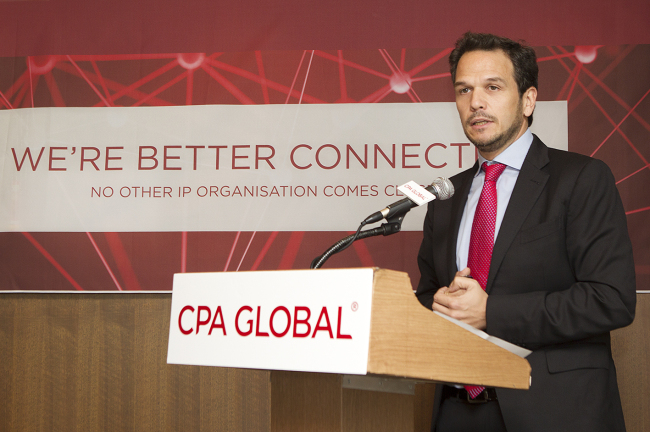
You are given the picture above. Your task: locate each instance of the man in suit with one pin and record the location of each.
(556, 275)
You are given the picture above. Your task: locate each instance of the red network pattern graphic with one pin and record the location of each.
(608, 118)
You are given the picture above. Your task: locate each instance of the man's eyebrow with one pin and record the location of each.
(495, 79)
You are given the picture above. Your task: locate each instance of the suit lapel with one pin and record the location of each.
(530, 183)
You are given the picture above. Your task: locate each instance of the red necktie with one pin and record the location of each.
(481, 241)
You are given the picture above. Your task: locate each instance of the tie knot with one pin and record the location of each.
(492, 172)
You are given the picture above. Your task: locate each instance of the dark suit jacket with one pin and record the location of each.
(561, 278)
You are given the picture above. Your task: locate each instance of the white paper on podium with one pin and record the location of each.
(515, 349)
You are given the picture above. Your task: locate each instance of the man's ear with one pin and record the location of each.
(529, 99)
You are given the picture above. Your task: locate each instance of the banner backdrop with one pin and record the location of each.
(248, 166)
(92, 145)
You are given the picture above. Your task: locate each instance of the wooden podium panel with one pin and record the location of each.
(408, 340)
(370, 411)
(303, 401)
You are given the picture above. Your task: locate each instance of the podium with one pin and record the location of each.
(348, 349)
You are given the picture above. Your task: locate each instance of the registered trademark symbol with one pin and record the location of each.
(355, 306)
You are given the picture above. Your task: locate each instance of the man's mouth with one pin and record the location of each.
(479, 122)
(480, 119)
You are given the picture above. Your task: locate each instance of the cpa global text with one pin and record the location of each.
(249, 321)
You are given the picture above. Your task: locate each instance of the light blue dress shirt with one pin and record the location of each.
(513, 157)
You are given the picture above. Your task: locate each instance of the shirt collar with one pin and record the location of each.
(514, 155)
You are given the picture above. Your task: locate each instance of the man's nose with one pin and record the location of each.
(477, 100)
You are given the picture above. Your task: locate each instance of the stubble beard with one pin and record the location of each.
(495, 143)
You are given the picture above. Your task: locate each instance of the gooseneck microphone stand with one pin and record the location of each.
(393, 225)
(441, 188)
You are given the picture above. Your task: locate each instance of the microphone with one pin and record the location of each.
(441, 188)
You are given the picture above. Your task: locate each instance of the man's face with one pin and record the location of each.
(491, 111)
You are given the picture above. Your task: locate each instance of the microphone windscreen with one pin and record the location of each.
(443, 187)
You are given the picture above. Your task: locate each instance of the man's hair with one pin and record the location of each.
(522, 56)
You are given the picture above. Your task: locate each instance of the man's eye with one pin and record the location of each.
(463, 91)
(493, 87)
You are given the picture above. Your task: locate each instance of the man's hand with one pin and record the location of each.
(463, 300)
